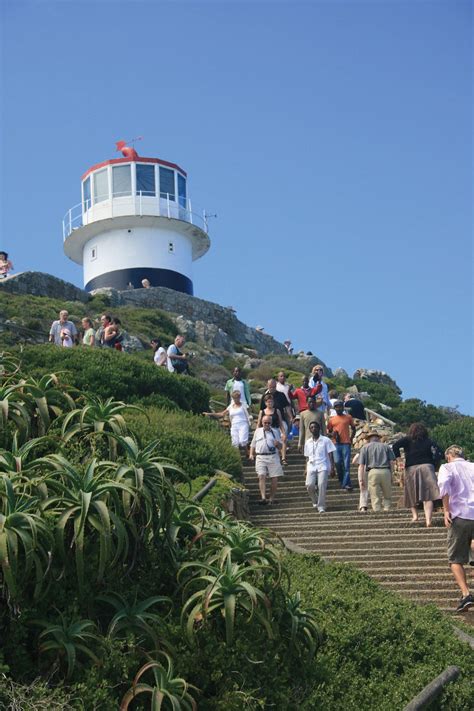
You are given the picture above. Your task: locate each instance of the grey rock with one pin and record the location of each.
(376, 376)
(341, 373)
(131, 343)
(41, 284)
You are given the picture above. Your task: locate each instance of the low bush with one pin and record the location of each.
(380, 650)
(108, 373)
(459, 431)
(196, 444)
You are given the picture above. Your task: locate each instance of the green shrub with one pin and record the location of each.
(196, 444)
(415, 410)
(387, 648)
(217, 496)
(459, 431)
(108, 373)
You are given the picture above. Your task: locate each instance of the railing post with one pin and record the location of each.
(168, 204)
(158, 198)
(70, 221)
(190, 211)
(204, 216)
(141, 212)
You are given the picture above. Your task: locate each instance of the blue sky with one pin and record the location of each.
(332, 139)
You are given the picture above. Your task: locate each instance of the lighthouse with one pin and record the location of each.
(135, 221)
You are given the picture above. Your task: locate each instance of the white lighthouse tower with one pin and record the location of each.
(135, 221)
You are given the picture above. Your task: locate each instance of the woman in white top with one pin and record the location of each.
(159, 353)
(238, 414)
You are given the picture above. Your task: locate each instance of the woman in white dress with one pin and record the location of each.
(238, 414)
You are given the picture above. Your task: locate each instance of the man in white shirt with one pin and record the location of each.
(456, 486)
(57, 327)
(318, 451)
(177, 360)
(264, 449)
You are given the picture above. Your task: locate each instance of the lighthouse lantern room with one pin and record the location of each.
(135, 221)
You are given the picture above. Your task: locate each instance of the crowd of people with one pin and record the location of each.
(110, 334)
(324, 425)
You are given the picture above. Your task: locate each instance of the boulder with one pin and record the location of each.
(341, 373)
(376, 376)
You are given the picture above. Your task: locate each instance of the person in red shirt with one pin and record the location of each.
(303, 393)
(342, 428)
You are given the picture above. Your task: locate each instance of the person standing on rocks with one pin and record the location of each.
(318, 451)
(58, 327)
(5, 265)
(238, 383)
(342, 428)
(456, 485)
(354, 407)
(311, 414)
(177, 360)
(264, 450)
(376, 465)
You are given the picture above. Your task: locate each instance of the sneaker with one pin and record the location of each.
(349, 488)
(315, 506)
(321, 510)
(363, 509)
(465, 603)
(263, 502)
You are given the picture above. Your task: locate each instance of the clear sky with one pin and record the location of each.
(332, 139)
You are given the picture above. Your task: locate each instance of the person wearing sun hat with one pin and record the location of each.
(376, 464)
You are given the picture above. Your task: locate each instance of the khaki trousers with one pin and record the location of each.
(380, 487)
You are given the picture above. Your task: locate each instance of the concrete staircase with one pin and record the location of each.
(406, 558)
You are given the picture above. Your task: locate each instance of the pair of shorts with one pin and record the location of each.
(459, 540)
(268, 465)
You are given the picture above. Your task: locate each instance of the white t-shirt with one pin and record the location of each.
(285, 389)
(318, 452)
(160, 356)
(238, 415)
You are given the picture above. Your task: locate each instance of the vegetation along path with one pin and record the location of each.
(405, 558)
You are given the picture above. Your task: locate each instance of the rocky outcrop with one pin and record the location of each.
(40, 284)
(202, 321)
(376, 376)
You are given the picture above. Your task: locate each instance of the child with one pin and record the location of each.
(5, 265)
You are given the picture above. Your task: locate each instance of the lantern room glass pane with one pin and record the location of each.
(181, 190)
(86, 191)
(146, 180)
(167, 183)
(101, 186)
(122, 180)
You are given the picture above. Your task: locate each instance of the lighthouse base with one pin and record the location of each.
(121, 279)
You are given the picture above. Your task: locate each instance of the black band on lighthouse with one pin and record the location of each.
(122, 278)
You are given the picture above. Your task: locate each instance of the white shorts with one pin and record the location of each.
(312, 475)
(268, 465)
(239, 434)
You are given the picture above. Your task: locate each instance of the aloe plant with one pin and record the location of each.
(48, 399)
(13, 409)
(25, 540)
(174, 692)
(20, 465)
(68, 640)
(136, 616)
(223, 592)
(98, 417)
(301, 625)
(90, 508)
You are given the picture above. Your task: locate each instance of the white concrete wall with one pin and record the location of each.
(137, 247)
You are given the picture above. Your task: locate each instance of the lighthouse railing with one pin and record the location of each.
(142, 204)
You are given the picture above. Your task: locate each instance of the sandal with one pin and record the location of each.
(263, 502)
(284, 462)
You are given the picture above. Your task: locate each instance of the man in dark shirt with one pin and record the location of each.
(354, 407)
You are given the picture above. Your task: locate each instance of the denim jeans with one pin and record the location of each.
(342, 459)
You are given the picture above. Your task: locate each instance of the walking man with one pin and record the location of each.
(343, 429)
(238, 383)
(263, 448)
(316, 381)
(456, 485)
(306, 418)
(376, 465)
(301, 394)
(318, 451)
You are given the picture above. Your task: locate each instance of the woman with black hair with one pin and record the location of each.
(159, 353)
(420, 483)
